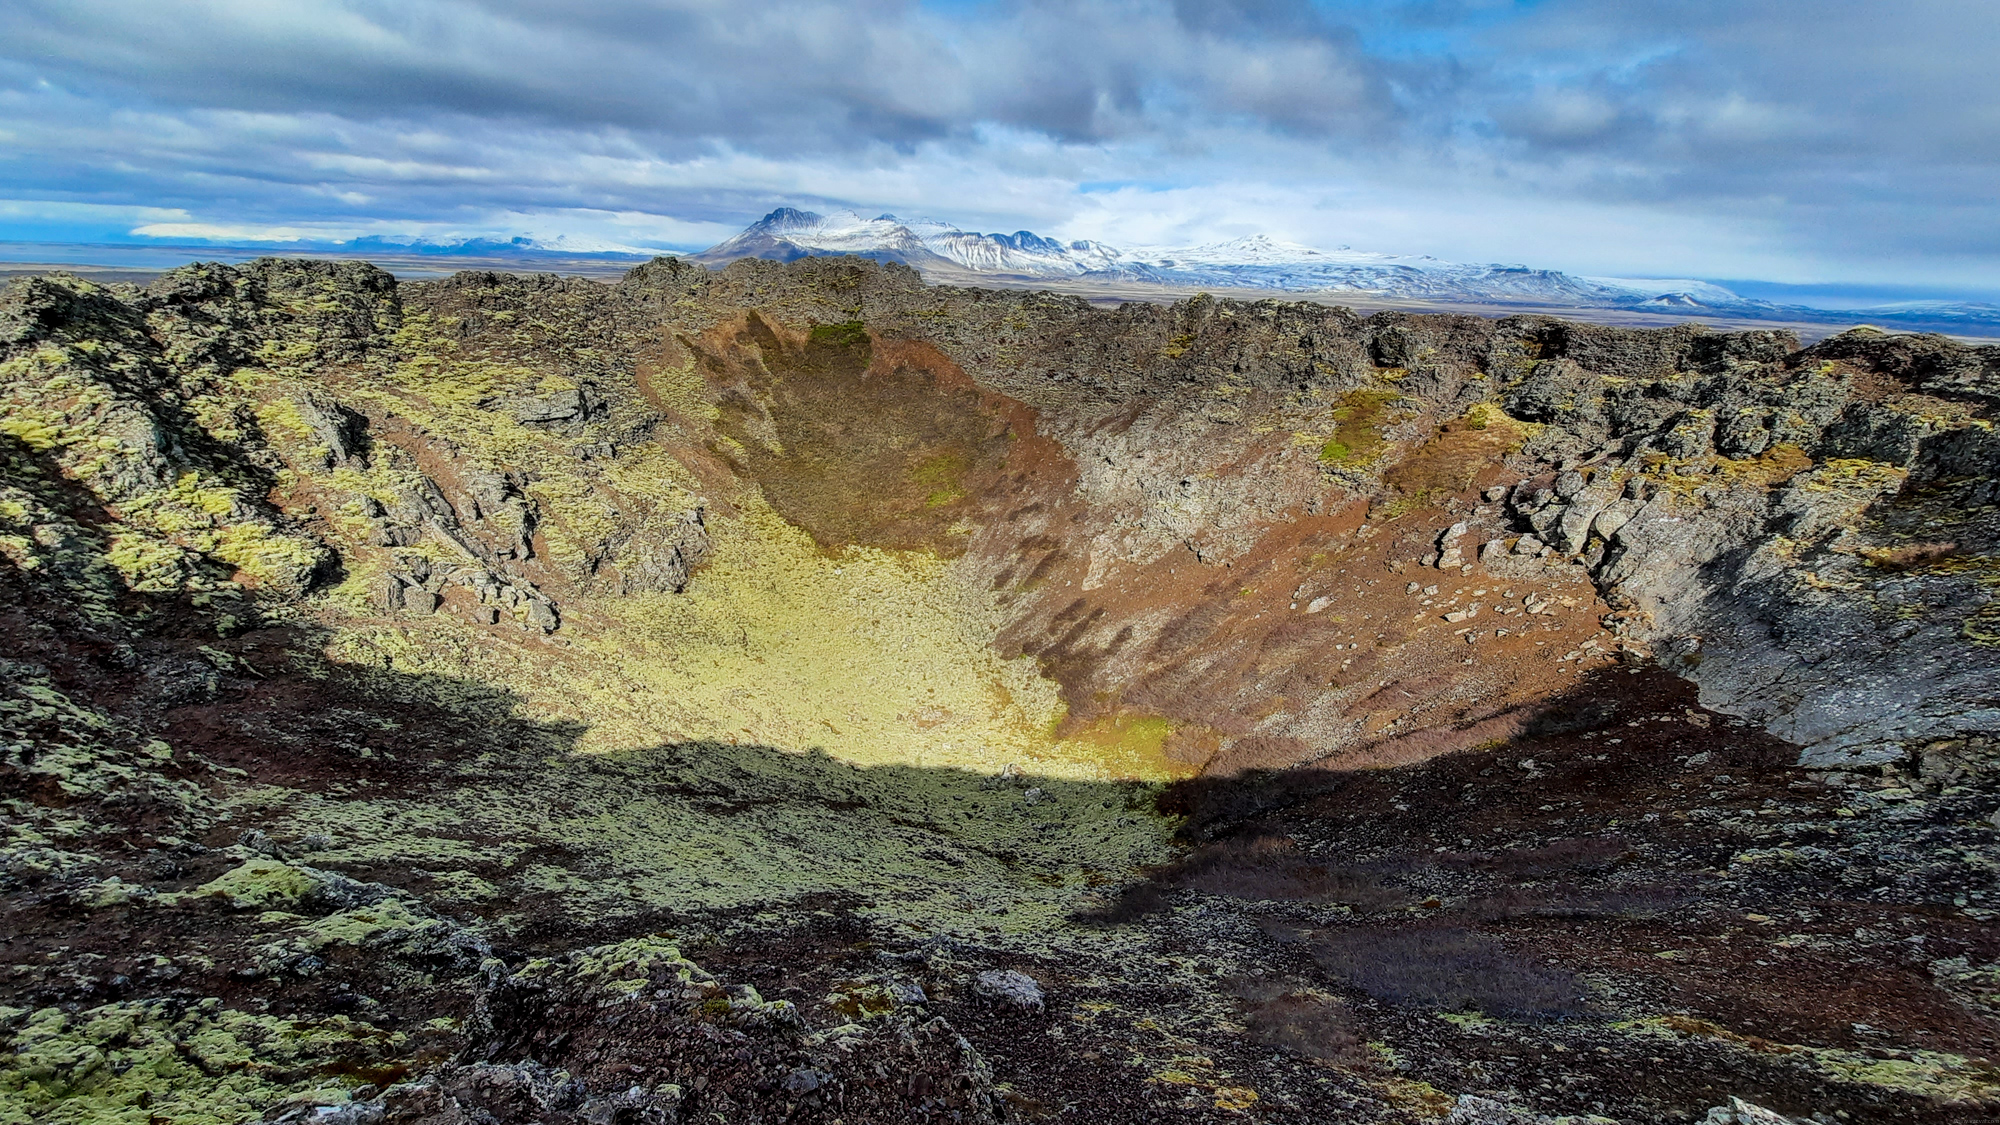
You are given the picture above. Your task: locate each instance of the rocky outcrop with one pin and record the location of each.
(94, 396)
(1802, 535)
(683, 1046)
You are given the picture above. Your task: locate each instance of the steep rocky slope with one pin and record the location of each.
(798, 693)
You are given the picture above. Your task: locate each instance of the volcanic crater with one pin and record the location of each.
(796, 692)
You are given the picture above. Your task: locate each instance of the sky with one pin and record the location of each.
(1820, 143)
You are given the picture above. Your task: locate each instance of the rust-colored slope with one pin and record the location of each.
(881, 446)
(1308, 646)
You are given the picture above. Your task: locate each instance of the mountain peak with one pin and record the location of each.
(786, 218)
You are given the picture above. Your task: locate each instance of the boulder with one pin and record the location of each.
(1740, 1112)
(1009, 988)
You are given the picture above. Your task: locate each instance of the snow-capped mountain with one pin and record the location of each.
(1699, 292)
(1259, 262)
(787, 233)
(949, 253)
(1256, 262)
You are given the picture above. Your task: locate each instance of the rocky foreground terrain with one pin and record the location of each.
(797, 693)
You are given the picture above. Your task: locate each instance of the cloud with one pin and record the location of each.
(1810, 137)
(87, 212)
(214, 232)
(790, 75)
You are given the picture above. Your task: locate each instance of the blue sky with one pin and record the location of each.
(1811, 142)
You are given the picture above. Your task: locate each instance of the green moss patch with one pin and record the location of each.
(260, 884)
(1359, 417)
(199, 1064)
(709, 827)
(858, 449)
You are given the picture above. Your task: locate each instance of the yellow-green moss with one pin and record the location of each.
(84, 752)
(1931, 1074)
(874, 656)
(258, 884)
(140, 1063)
(1358, 417)
(847, 334)
(1130, 745)
(37, 434)
(364, 925)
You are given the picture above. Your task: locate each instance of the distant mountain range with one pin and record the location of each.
(562, 252)
(948, 253)
(561, 246)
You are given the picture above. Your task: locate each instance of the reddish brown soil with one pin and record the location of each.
(1224, 649)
